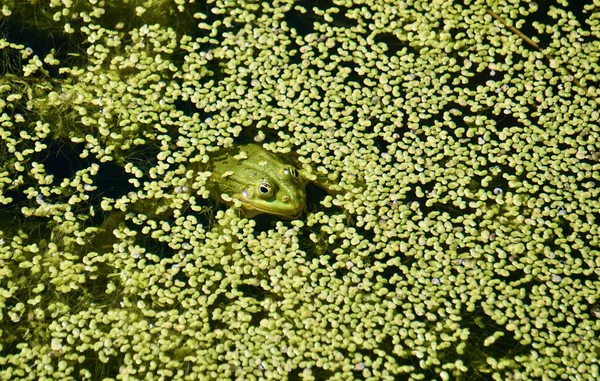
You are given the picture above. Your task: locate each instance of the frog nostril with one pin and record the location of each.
(285, 199)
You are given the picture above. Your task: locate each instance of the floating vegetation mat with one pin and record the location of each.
(461, 241)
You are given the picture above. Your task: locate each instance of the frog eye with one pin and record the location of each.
(264, 188)
(292, 171)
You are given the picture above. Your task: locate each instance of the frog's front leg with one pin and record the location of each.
(328, 182)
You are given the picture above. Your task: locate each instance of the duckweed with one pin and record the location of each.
(458, 143)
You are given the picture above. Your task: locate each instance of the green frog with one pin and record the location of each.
(247, 177)
(257, 181)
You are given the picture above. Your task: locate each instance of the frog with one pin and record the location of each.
(257, 181)
(247, 177)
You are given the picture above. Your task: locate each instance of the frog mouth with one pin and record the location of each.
(290, 217)
(257, 208)
(285, 214)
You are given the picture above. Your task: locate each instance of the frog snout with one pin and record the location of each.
(294, 197)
